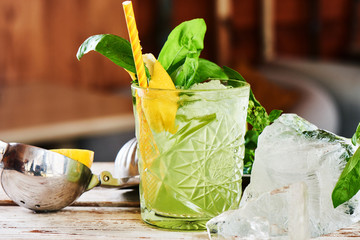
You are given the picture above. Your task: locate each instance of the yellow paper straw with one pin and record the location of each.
(135, 43)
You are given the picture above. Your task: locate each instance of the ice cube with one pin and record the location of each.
(258, 218)
(213, 84)
(293, 150)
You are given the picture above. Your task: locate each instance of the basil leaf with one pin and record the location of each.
(348, 183)
(115, 48)
(251, 139)
(232, 74)
(190, 128)
(249, 158)
(274, 114)
(185, 75)
(185, 41)
(257, 115)
(356, 137)
(208, 69)
(204, 71)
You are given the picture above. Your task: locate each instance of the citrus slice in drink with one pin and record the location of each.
(160, 107)
(156, 111)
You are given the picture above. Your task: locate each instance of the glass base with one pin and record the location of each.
(175, 223)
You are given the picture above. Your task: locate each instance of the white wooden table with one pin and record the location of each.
(100, 214)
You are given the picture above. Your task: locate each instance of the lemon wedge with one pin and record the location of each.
(160, 107)
(156, 112)
(149, 61)
(83, 156)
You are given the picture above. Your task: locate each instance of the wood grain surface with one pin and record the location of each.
(101, 214)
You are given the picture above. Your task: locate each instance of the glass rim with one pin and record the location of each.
(244, 84)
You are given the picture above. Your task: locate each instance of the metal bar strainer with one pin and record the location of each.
(42, 180)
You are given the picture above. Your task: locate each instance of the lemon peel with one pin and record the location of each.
(149, 61)
(132, 75)
(83, 156)
(156, 112)
(160, 107)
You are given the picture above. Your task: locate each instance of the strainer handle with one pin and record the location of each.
(105, 179)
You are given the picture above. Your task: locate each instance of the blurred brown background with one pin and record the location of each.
(39, 40)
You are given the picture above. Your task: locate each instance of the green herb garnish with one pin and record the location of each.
(180, 57)
(115, 48)
(356, 137)
(349, 181)
(257, 117)
(180, 53)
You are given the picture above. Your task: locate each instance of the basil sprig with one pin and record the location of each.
(180, 53)
(180, 57)
(348, 183)
(115, 48)
(257, 117)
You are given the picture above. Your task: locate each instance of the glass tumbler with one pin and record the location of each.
(190, 149)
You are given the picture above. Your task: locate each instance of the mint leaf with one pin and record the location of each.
(348, 183)
(182, 49)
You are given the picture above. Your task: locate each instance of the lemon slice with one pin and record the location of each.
(156, 113)
(83, 156)
(149, 60)
(160, 107)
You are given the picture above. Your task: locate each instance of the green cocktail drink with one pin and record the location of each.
(190, 129)
(192, 173)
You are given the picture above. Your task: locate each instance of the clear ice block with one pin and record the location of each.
(257, 219)
(290, 151)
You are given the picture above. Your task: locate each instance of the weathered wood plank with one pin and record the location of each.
(104, 222)
(98, 214)
(83, 223)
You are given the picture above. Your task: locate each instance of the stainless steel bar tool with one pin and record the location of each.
(42, 180)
